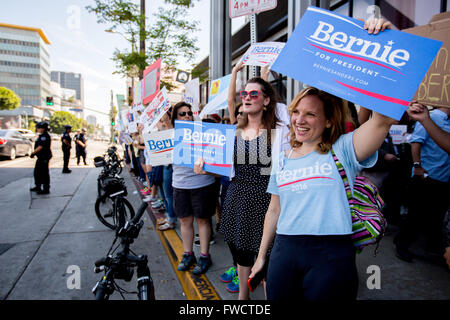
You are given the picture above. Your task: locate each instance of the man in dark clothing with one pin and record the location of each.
(81, 143)
(66, 146)
(42, 149)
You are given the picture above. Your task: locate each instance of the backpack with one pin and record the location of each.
(368, 222)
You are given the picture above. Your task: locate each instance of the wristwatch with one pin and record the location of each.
(417, 165)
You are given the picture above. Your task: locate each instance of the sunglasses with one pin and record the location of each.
(241, 113)
(182, 114)
(254, 94)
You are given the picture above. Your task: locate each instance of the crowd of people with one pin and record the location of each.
(286, 194)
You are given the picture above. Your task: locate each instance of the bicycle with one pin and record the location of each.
(112, 204)
(122, 265)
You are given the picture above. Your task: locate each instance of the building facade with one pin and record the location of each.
(25, 69)
(70, 80)
(226, 49)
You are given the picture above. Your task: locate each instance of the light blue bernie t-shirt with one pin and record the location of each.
(186, 178)
(312, 193)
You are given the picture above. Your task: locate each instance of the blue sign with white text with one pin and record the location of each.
(334, 53)
(210, 141)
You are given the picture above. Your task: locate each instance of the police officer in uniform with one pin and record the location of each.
(66, 146)
(42, 149)
(81, 143)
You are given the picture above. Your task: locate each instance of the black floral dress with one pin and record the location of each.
(246, 201)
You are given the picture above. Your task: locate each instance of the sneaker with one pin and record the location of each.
(186, 262)
(147, 199)
(45, 191)
(202, 266)
(228, 275)
(35, 189)
(211, 242)
(146, 191)
(233, 286)
(157, 204)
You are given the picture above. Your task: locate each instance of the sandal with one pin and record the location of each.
(166, 226)
(163, 221)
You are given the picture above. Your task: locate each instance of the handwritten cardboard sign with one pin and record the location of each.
(434, 90)
(334, 53)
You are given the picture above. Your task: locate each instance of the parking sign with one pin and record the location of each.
(240, 8)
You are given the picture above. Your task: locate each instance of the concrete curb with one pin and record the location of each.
(194, 287)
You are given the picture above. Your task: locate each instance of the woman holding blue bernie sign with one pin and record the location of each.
(246, 200)
(193, 196)
(313, 256)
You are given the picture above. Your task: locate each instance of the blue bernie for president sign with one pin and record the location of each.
(334, 53)
(210, 141)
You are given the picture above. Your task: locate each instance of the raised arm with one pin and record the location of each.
(369, 137)
(232, 92)
(420, 113)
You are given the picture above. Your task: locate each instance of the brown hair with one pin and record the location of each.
(334, 112)
(175, 110)
(269, 116)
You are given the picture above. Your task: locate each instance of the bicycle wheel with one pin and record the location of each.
(104, 209)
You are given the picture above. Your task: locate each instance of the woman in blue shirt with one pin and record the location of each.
(313, 257)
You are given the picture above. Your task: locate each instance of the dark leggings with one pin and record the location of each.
(244, 258)
(312, 268)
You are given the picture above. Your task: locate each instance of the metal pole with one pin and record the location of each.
(142, 34)
(253, 39)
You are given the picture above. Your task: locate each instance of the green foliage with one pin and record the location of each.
(8, 99)
(61, 118)
(170, 37)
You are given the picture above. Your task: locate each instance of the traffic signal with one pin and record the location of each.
(113, 122)
(49, 101)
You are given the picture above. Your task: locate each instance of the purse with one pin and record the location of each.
(366, 204)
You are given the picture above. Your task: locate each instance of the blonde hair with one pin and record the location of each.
(334, 112)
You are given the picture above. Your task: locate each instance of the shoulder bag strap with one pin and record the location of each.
(341, 170)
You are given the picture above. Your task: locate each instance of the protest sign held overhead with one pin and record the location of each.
(192, 94)
(159, 146)
(262, 54)
(151, 81)
(155, 110)
(212, 142)
(137, 97)
(334, 53)
(435, 86)
(218, 95)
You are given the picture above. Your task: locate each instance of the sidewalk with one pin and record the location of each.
(397, 280)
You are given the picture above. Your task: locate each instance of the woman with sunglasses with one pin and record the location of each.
(246, 200)
(194, 196)
(313, 257)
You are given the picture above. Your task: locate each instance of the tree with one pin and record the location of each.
(8, 99)
(61, 118)
(170, 37)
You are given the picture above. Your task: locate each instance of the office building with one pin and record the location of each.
(25, 68)
(70, 80)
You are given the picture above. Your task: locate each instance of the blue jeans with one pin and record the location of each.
(168, 193)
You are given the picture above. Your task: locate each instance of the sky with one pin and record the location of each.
(79, 44)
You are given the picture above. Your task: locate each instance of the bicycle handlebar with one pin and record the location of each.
(139, 213)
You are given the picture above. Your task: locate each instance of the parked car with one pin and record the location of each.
(13, 143)
(28, 134)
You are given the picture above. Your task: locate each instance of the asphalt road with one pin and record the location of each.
(22, 167)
